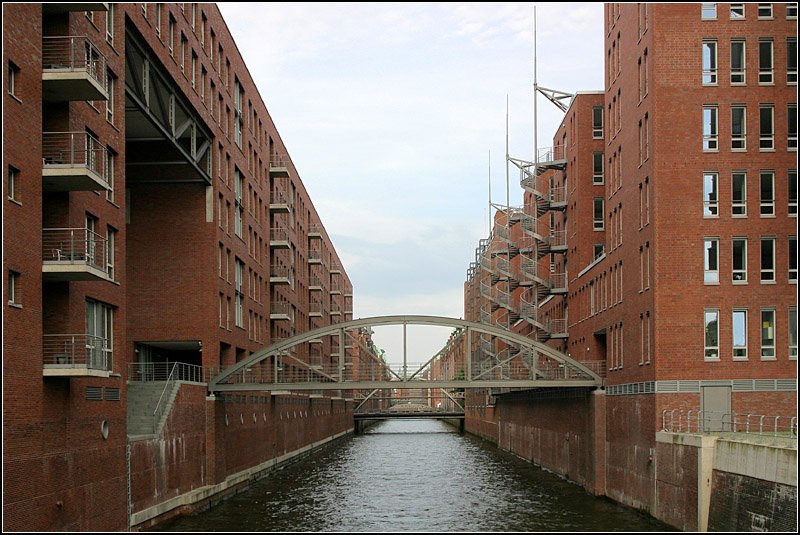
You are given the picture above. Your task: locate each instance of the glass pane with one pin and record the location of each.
(737, 55)
(739, 187)
(737, 118)
(767, 255)
(739, 328)
(793, 327)
(739, 255)
(765, 55)
(712, 328)
(710, 194)
(767, 328)
(711, 255)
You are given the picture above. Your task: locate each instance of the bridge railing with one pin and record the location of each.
(776, 427)
(160, 371)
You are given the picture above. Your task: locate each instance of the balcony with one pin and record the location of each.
(315, 232)
(280, 310)
(336, 268)
(279, 202)
(348, 292)
(315, 309)
(279, 238)
(336, 309)
(73, 161)
(75, 355)
(551, 158)
(279, 275)
(73, 254)
(315, 284)
(54, 8)
(314, 256)
(72, 69)
(279, 166)
(336, 288)
(558, 283)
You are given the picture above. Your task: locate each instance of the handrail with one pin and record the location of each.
(74, 149)
(74, 246)
(156, 413)
(73, 53)
(698, 421)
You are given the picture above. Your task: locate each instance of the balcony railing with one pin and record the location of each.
(279, 165)
(336, 267)
(73, 69)
(557, 327)
(314, 283)
(74, 253)
(73, 161)
(558, 281)
(278, 201)
(315, 308)
(279, 272)
(74, 351)
(315, 231)
(336, 287)
(279, 237)
(280, 310)
(314, 256)
(551, 155)
(558, 194)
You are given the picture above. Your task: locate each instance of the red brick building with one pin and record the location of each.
(672, 271)
(152, 214)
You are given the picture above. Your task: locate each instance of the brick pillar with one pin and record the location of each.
(598, 436)
(215, 440)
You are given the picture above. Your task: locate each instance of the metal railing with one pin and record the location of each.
(278, 234)
(73, 53)
(74, 150)
(278, 271)
(278, 197)
(336, 287)
(315, 307)
(314, 282)
(558, 238)
(503, 266)
(280, 307)
(314, 231)
(314, 255)
(279, 161)
(74, 246)
(700, 421)
(336, 267)
(501, 231)
(75, 350)
(546, 155)
(557, 326)
(558, 194)
(558, 280)
(528, 310)
(161, 371)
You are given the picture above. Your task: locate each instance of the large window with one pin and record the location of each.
(238, 120)
(598, 214)
(238, 274)
(739, 260)
(737, 11)
(767, 190)
(792, 127)
(738, 127)
(737, 61)
(597, 174)
(793, 259)
(711, 345)
(740, 334)
(739, 193)
(767, 259)
(709, 63)
(710, 198)
(711, 261)
(111, 237)
(710, 132)
(238, 212)
(13, 289)
(110, 24)
(793, 333)
(708, 11)
(765, 11)
(765, 64)
(766, 114)
(791, 60)
(11, 184)
(768, 334)
(792, 192)
(597, 122)
(99, 335)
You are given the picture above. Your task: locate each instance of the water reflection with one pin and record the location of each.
(415, 475)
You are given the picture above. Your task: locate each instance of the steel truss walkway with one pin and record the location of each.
(334, 358)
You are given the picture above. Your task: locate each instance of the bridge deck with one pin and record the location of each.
(400, 385)
(410, 415)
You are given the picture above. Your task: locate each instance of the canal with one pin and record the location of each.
(417, 475)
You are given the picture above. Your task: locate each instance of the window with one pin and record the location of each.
(792, 123)
(767, 334)
(11, 185)
(739, 260)
(737, 61)
(111, 83)
(13, 289)
(711, 345)
(709, 63)
(238, 208)
(598, 250)
(791, 10)
(766, 115)
(737, 11)
(597, 122)
(708, 11)
(710, 198)
(792, 192)
(158, 20)
(710, 136)
(793, 333)
(99, 335)
(793, 259)
(194, 69)
(111, 238)
(183, 53)
(765, 61)
(767, 193)
(738, 127)
(238, 274)
(646, 136)
(13, 74)
(238, 120)
(739, 334)
(767, 259)
(711, 265)
(171, 36)
(598, 213)
(765, 11)
(739, 191)
(110, 24)
(111, 159)
(597, 175)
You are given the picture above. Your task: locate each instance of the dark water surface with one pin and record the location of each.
(417, 475)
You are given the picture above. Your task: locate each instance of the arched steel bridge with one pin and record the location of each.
(495, 358)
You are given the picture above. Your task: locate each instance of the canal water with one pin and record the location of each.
(414, 475)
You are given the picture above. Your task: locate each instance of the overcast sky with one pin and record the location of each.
(390, 112)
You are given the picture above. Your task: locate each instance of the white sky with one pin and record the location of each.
(389, 112)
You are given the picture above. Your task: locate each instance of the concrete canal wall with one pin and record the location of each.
(212, 447)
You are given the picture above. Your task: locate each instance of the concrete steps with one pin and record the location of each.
(142, 401)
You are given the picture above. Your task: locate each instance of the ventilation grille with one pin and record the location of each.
(112, 394)
(94, 393)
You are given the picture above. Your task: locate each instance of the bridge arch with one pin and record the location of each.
(568, 371)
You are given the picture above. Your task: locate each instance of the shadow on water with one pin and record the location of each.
(415, 475)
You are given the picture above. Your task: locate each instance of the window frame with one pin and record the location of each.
(711, 269)
(14, 296)
(598, 224)
(739, 204)
(708, 11)
(766, 139)
(792, 259)
(742, 271)
(768, 350)
(598, 179)
(791, 54)
(766, 204)
(710, 350)
(792, 333)
(768, 13)
(741, 71)
(766, 75)
(733, 15)
(710, 128)
(767, 274)
(739, 141)
(709, 76)
(710, 205)
(739, 351)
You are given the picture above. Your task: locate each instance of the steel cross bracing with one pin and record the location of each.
(524, 363)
